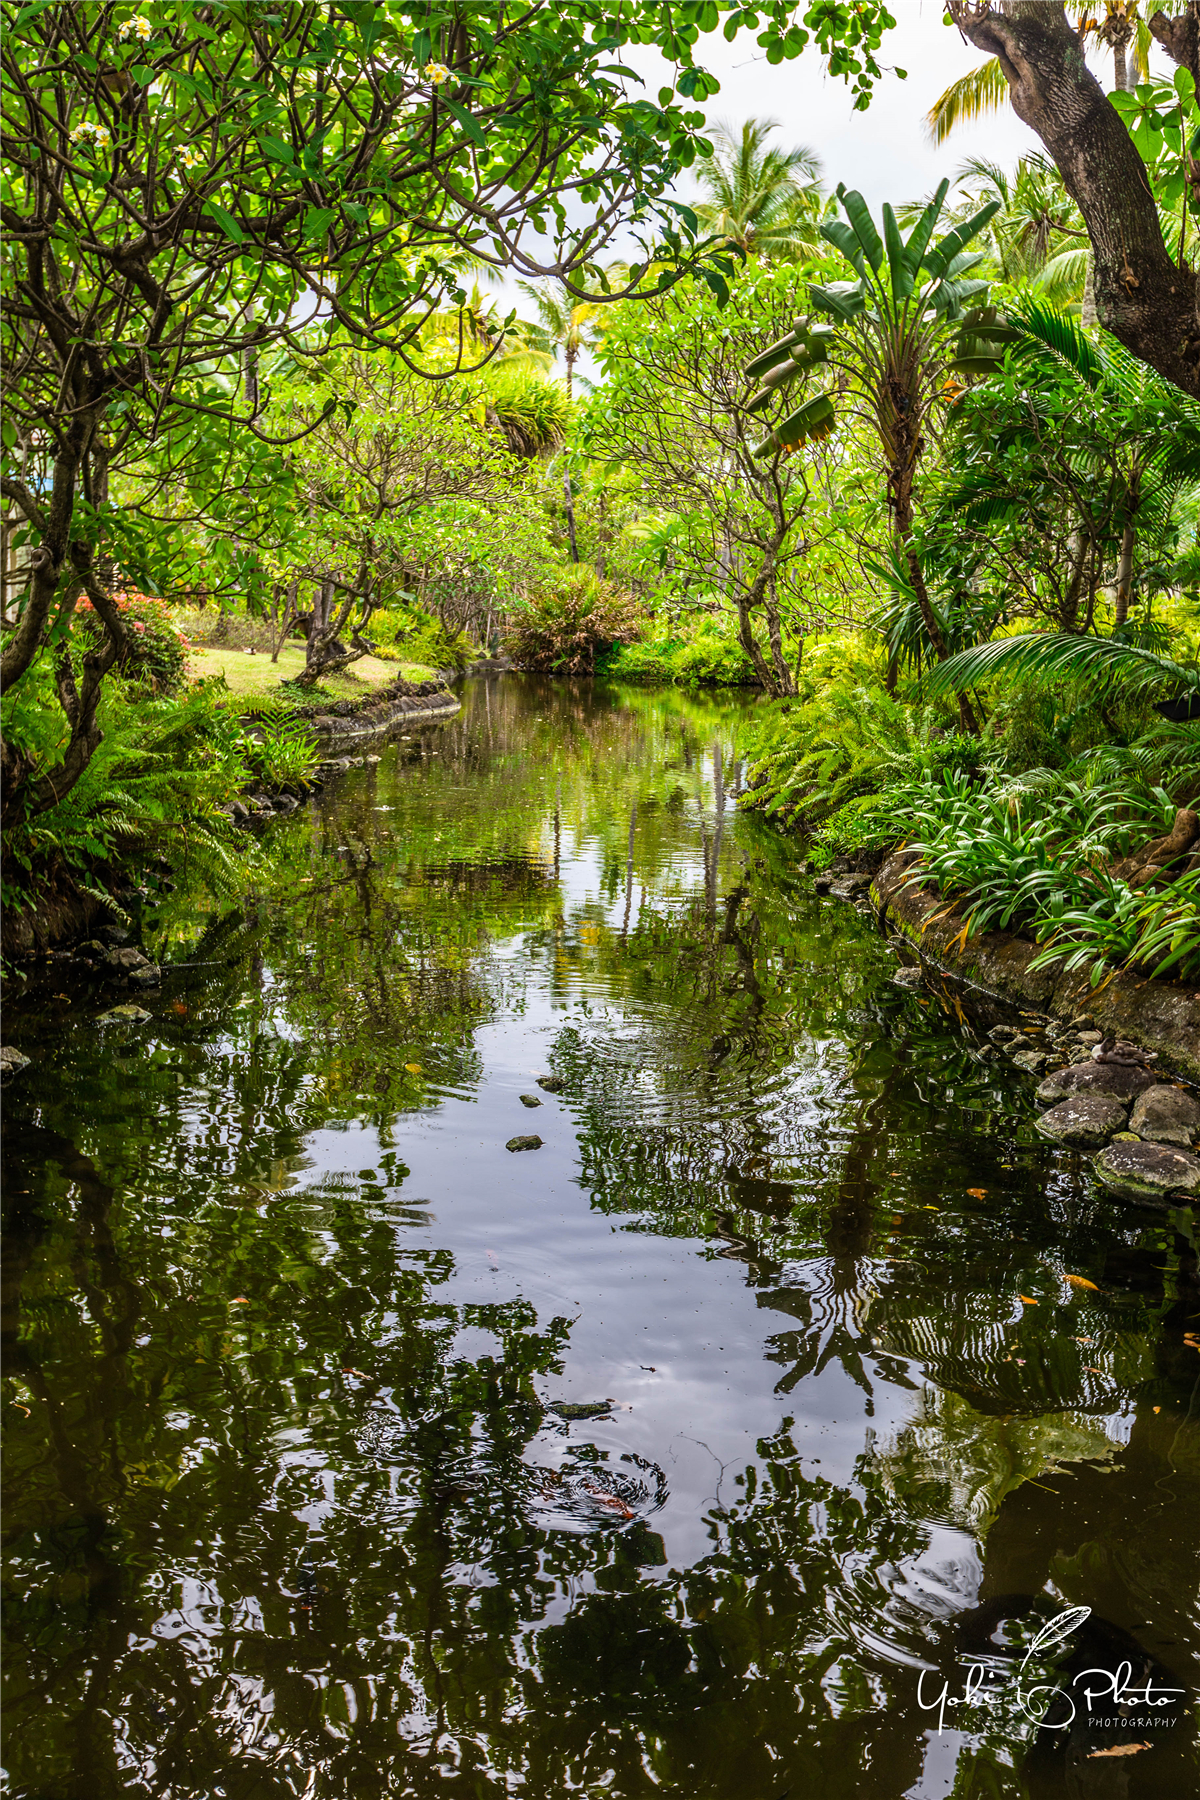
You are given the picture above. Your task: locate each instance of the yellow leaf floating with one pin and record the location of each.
(1025, 1300)
(413, 1068)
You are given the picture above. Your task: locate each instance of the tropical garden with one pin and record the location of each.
(923, 476)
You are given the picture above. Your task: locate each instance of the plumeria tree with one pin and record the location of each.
(187, 184)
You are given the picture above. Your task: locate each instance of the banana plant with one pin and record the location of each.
(895, 330)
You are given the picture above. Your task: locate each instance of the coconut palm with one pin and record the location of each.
(985, 90)
(1037, 234)
(563, 323)
(767, 202)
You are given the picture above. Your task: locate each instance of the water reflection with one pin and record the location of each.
(349, 1455)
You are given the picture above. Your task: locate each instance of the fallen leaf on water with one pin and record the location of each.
(1085, 1340)
(1025, 1300)
(21, 1408)
(1158, 1409)
(977, 1193)
(1118, 1750)
(180, 1007)
(1090, 1370)
(1081, 1281)
(413, 1068)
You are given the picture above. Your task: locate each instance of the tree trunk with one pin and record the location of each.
(1148, 303)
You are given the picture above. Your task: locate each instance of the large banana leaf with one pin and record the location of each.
(843, 299)
(922, 231)
(937, 261)
(767, 359)
(838, 233)
(1089, 661)
(902, 276)
(864, 226)
(814, 420)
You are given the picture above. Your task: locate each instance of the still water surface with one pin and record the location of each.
(290, 1510)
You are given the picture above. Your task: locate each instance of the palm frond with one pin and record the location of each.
(971, 97)
(1089, 661)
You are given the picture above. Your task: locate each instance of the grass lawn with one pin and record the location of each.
(248, 676)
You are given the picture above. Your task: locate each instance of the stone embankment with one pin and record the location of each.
(404, 705)
(1163, 1016)
(1105, 1073)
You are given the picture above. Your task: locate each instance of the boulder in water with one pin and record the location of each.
(1083, 1121)
(1167, 1115)
(1117, 1079)
(1153, 1173)
(524, 1143)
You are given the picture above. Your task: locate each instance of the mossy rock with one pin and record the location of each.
(1155, 1174)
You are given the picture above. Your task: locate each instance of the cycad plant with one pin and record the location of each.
(894, 330)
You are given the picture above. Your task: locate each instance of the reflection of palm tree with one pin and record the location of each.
(767, 202)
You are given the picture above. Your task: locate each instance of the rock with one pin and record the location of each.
(1082, 1022)
(529, 1100)
(1153, 1173)
(1167, 1115)
(285, 803)
(823, 883)
(908, 978)
(240, 810)
(11, 1062)
(1000, 1034)
(553, 1084)
(1085, 1121)
(1117, 1079)
(849, 887)
(125, 1015)
(127, 958)
(524, 1143)
(1033, 1060)
(580, 1409)
(1088, 1038)
(148, 976)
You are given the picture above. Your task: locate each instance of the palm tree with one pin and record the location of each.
(1035, 215)
(563, 325)
(985, 90)
(765, 201)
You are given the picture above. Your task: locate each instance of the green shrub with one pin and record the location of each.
(410, 634)
(158, 647)
(563, 629)
(154, 786)
(710, 656)
(280, 748)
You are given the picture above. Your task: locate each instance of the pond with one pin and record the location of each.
(703, 1450)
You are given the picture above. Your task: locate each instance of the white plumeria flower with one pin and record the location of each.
(191, 158)
(88, 132)
(437, 73)
(139, 26)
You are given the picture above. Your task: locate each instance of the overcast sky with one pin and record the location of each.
(883, 151)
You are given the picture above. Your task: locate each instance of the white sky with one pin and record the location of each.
(883, 151)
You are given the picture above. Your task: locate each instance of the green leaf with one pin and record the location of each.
(922, 231)
(864, 227)
(767, 359)
(843, 299)
(226, 221)
(1043, 656)
(814, 420)
(471, 126)
(838, 233)
(939, 260)
(898, 269)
